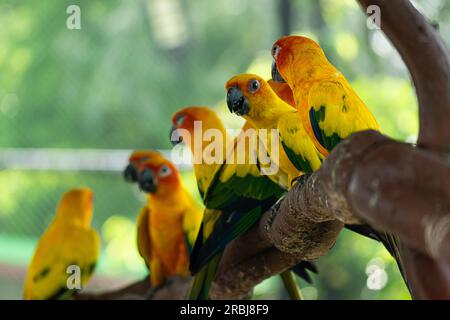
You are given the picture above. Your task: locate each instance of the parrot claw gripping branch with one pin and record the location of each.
(356, 181)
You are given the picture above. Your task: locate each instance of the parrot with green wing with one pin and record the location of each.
(235, 196)
(251, 97)
(328, 111)
(329, 108)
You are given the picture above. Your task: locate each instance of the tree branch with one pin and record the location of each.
(429, 279)
(428, 61)
(174, 289)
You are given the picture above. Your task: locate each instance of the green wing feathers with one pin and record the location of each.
(291, 286)
(336, 112)
(228, 226)
(242, 192)
(297, 144)
(235, 199)
(204, 279)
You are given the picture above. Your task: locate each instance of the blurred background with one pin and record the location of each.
(74, 103)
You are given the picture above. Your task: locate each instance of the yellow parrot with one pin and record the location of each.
(251, 97)
(131, 174)
(68, 246)
(135, 161)
(168, 226)
(235, 195)
(329, 108)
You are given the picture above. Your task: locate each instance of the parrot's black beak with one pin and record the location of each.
(276, 76)
(130, 173)
(237, 102)
(175, 137)
(147, 181)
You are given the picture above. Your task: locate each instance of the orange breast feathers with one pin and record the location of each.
(173, 219)
(168, 245)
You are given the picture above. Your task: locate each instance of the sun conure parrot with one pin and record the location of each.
(69, 244)
(131, 174)
(235, 196)
(329, 108)
(251, 97)
(173, 219)
(135, 161)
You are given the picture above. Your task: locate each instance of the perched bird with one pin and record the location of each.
(135, 161)
(329, 108)
(68, 245)
(169, 223)
(251, 97)
(188, 126)
(131, 174)
(235, 195)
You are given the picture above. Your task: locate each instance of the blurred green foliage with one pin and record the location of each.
(116, 82)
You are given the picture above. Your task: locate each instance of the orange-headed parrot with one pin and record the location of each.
(328, 107)
(169, 223)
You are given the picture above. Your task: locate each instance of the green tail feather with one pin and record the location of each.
(197, 284)
(203, 279)
(291, 286)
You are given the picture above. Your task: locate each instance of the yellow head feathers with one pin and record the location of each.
(250, 96)
(76, 205)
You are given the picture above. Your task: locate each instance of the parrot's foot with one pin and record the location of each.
(301, 180)
(273, 213)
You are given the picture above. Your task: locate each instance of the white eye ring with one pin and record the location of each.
(164, 171)
(254, 85)
(180, 120)
(275, 50)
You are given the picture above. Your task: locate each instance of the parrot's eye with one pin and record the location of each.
(254, 85)
(275, 50)
(180, 119)
(164, 171)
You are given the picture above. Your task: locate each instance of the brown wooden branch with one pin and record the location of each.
(135, 291)
(430, 280)
(174, 289)
(428, 61)
(427, 58)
